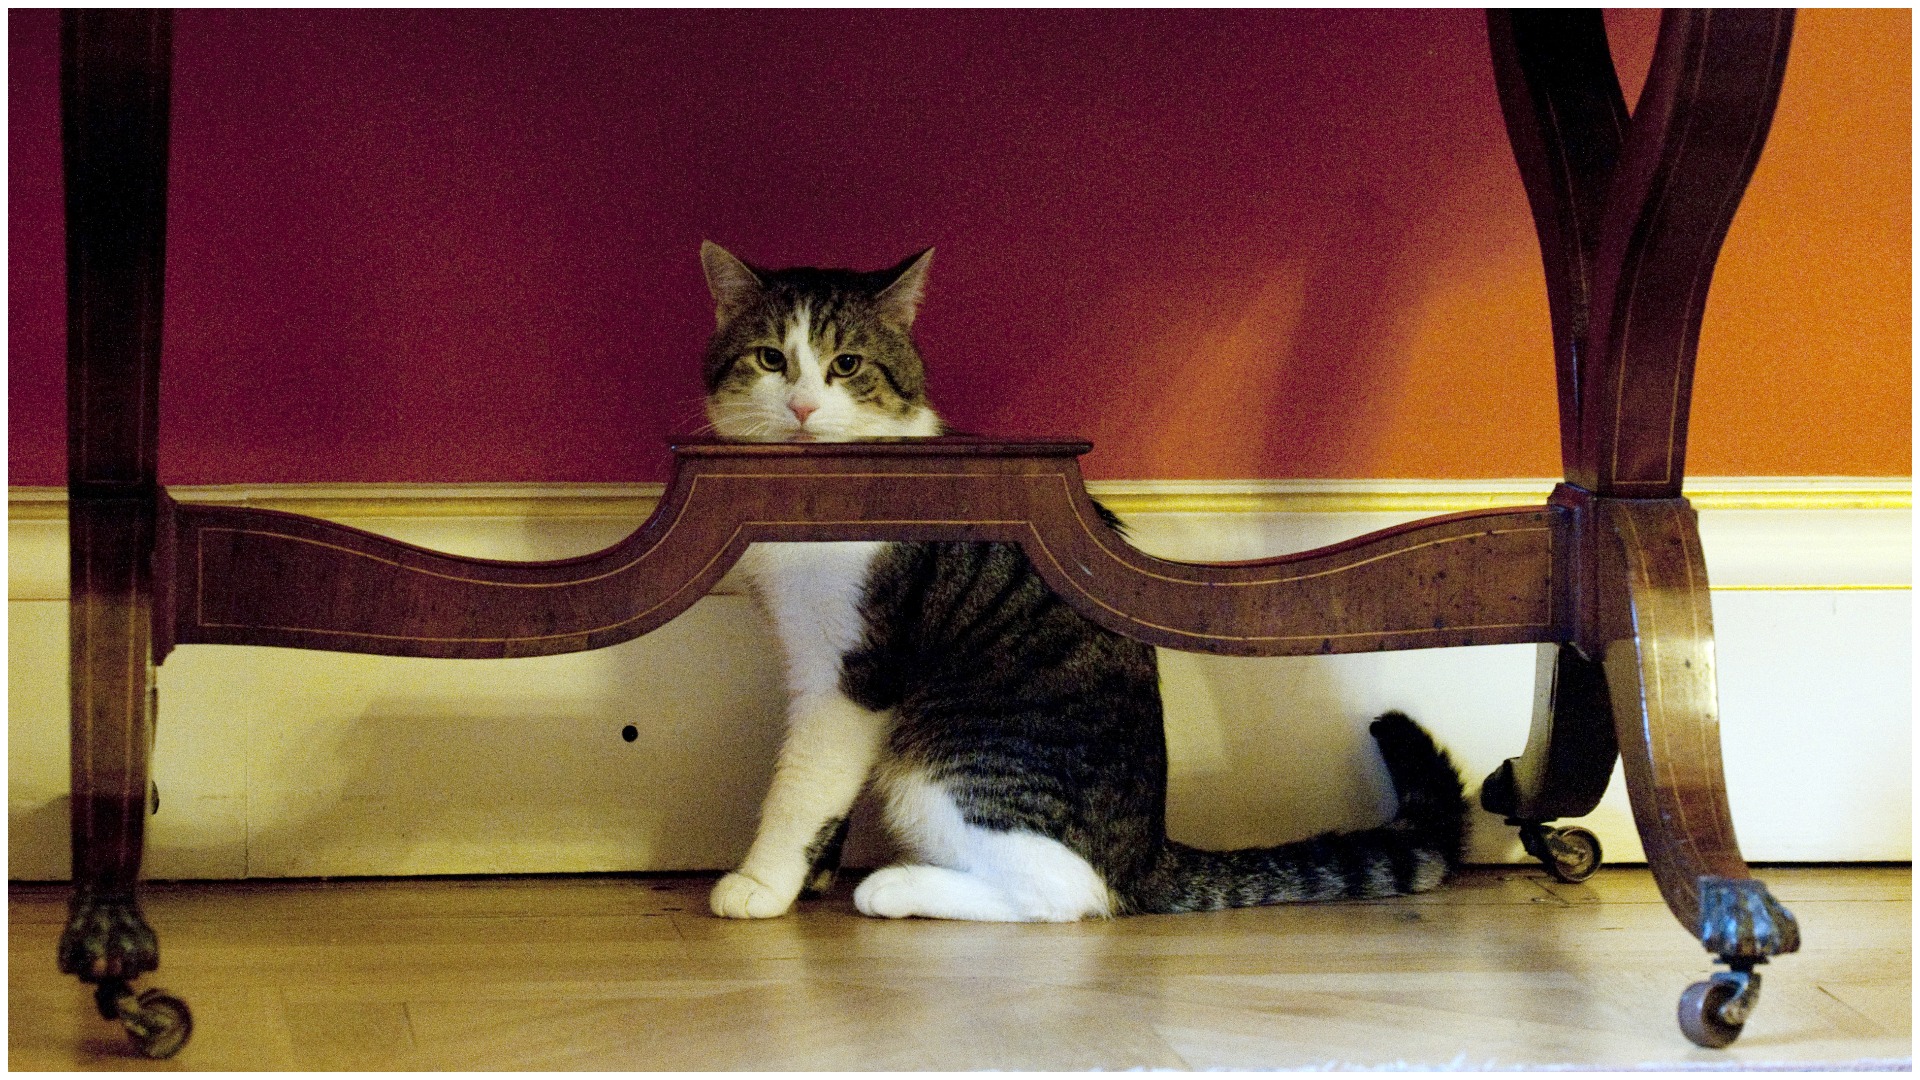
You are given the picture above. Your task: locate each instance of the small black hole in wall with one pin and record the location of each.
(629, 733)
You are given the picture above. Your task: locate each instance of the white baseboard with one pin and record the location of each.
(276, 762)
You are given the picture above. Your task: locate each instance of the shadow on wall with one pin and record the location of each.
(1263, 751)
(499, 779)
(477, 768)
(1246, 303)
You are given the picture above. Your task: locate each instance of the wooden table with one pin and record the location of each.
(1607, 576)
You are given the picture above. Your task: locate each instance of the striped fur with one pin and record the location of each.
(1018, 747)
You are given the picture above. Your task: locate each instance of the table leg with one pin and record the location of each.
(1659, 663)
(115, 73)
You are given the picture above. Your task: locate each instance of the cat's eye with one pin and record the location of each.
(770, 359)
(844, 365)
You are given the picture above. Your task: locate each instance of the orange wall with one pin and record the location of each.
(444, 246)
(1808, 340)
(1805, 364)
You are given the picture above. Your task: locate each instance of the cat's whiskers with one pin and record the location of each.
(695, 412)
(738, 419)
(745, 418)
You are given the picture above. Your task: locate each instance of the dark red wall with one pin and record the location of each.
(461, 246)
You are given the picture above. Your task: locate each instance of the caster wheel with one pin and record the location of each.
(160, 1026)
(1573, 854)
(158, 1023)
(1700, 1019)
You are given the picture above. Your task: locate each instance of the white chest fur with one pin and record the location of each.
(812, 592)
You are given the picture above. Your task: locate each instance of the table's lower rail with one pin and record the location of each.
(242, 576)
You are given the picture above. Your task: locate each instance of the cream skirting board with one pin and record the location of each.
(275, 763)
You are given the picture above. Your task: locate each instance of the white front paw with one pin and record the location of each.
(889, 893)
(738, 896)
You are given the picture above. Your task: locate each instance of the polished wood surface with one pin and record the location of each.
(1503, 968)
(1567, 763)
(256, 577)
(1695, 139)
(1566, 121)
(1660, 668)
(1631, 213)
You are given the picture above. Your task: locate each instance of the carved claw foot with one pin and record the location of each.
(1740, 920)
(1742, 924)
(106, 938)
(107, 942)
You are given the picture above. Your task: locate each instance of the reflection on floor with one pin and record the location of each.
(1502, 968)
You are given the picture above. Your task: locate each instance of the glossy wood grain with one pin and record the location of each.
(1631, 214)
(1695, 139)
(257, 577)
(1567, 124)
(1660, 668)
(112, 686)
(1567, 763)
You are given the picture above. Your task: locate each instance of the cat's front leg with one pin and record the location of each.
(830, 748)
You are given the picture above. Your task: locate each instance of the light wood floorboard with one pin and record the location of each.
(1502, 968)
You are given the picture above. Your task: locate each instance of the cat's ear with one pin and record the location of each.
(733, 283)
(899, 301)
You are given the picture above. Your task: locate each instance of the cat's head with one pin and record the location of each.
(815, 354)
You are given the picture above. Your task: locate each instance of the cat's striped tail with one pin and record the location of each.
(1412, 853)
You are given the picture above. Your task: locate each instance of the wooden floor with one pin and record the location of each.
(1502, 968)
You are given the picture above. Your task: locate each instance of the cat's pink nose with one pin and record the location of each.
(801, 412)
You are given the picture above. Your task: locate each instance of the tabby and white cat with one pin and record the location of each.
(1017, 747)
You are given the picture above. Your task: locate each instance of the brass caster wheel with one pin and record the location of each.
(1712, 1013)
(158, 1023)
(1700, 1015)
(1571, 854)
(162, 1026)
